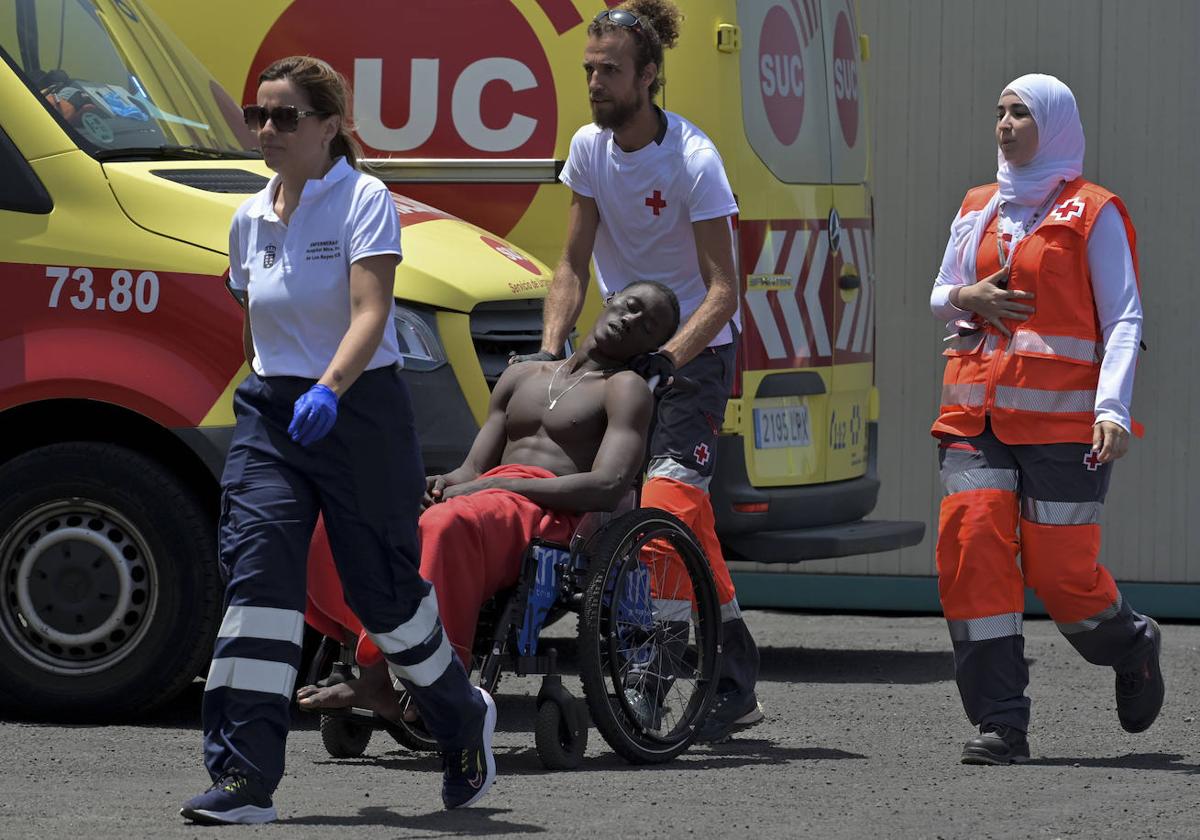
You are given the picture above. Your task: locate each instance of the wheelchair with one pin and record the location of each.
(649, 643)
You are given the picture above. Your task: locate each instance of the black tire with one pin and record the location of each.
(557, 746)
(667, 726)
(109, 591)
(343, 737)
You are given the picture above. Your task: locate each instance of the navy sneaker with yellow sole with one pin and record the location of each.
(232, 800)
(467, 774)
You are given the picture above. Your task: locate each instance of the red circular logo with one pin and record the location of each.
(426, 85)
(845, 79)
(511, 253)
(781, 75)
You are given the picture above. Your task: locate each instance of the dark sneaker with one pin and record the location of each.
(1140, 693)
(232, 800)
(731, 712)
(996, 744)
(467, 774)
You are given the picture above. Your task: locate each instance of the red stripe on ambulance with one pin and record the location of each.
(162, 344)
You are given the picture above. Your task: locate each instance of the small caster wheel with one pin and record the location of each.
(560, 745)
(344, 738)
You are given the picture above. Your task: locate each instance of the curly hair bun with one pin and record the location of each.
(663, 15)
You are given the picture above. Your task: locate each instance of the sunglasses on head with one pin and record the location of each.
(621, 18)
(285, 117)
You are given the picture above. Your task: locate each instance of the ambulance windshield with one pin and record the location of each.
(119, 81)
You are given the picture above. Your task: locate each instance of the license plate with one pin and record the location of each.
(775, 428)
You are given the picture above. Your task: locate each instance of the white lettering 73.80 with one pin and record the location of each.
(123, 293)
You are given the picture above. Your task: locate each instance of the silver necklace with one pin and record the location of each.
(554, 400)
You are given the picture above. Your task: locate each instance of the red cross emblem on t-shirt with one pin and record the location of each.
(656, 202)
(701, 453)
(1091, 460)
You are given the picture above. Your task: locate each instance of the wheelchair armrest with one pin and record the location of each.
(593, 522)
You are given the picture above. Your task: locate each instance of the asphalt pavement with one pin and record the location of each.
(862, 740)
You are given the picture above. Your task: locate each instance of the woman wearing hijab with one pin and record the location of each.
(1039, 288)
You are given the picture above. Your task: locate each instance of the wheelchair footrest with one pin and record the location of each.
(526, 665)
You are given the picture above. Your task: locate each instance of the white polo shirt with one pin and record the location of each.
(648, 200)
(297, 275)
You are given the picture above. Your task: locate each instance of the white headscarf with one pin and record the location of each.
(1059, 157)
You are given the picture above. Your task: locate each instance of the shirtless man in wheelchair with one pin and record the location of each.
(562, 438)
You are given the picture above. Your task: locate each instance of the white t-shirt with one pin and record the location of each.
(297, 275)
(648, 200)
(1114, 286)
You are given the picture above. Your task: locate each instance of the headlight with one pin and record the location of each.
(419, 345)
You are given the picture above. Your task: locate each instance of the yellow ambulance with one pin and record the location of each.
(123, 163)
(469, 105)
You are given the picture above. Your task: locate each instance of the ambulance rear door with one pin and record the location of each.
(788, 296)
(851, 241)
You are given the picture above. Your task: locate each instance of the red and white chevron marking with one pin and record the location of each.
(794, 315)
(856, 320)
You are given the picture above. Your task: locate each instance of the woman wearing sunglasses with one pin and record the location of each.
(324, 425)
(1039, 288)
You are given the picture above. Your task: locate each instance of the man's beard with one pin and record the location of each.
(616, 114)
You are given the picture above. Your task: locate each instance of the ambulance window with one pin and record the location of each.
(784, 89)
(20, 189)
(115, 78)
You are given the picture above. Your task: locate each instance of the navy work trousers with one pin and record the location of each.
(366, 478)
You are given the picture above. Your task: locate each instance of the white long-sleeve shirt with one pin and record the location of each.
(1114, 286)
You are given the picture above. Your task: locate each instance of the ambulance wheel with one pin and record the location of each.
(344, 738)
(558, 747)
(109, 592)
(648, 649)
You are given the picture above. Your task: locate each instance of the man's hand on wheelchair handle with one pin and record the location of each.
(539, 356)
(658, 364)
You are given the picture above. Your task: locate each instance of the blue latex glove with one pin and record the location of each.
(314, 415)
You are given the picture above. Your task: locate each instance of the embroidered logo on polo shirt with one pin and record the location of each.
(268, 256)
(324, 249)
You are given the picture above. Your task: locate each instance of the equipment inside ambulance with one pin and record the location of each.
(120, 347)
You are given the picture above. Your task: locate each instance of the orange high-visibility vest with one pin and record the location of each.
(1039, 386)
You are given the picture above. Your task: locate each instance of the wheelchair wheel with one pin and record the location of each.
(344, 738)
(410, 734)
(649, 636)
(558, 746)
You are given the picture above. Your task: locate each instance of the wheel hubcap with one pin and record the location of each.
(77, 586)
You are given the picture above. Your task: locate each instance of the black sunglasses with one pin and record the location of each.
(285, 117)
(622, 18)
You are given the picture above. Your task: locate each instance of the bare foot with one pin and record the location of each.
(338, 696)
(372, 690)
